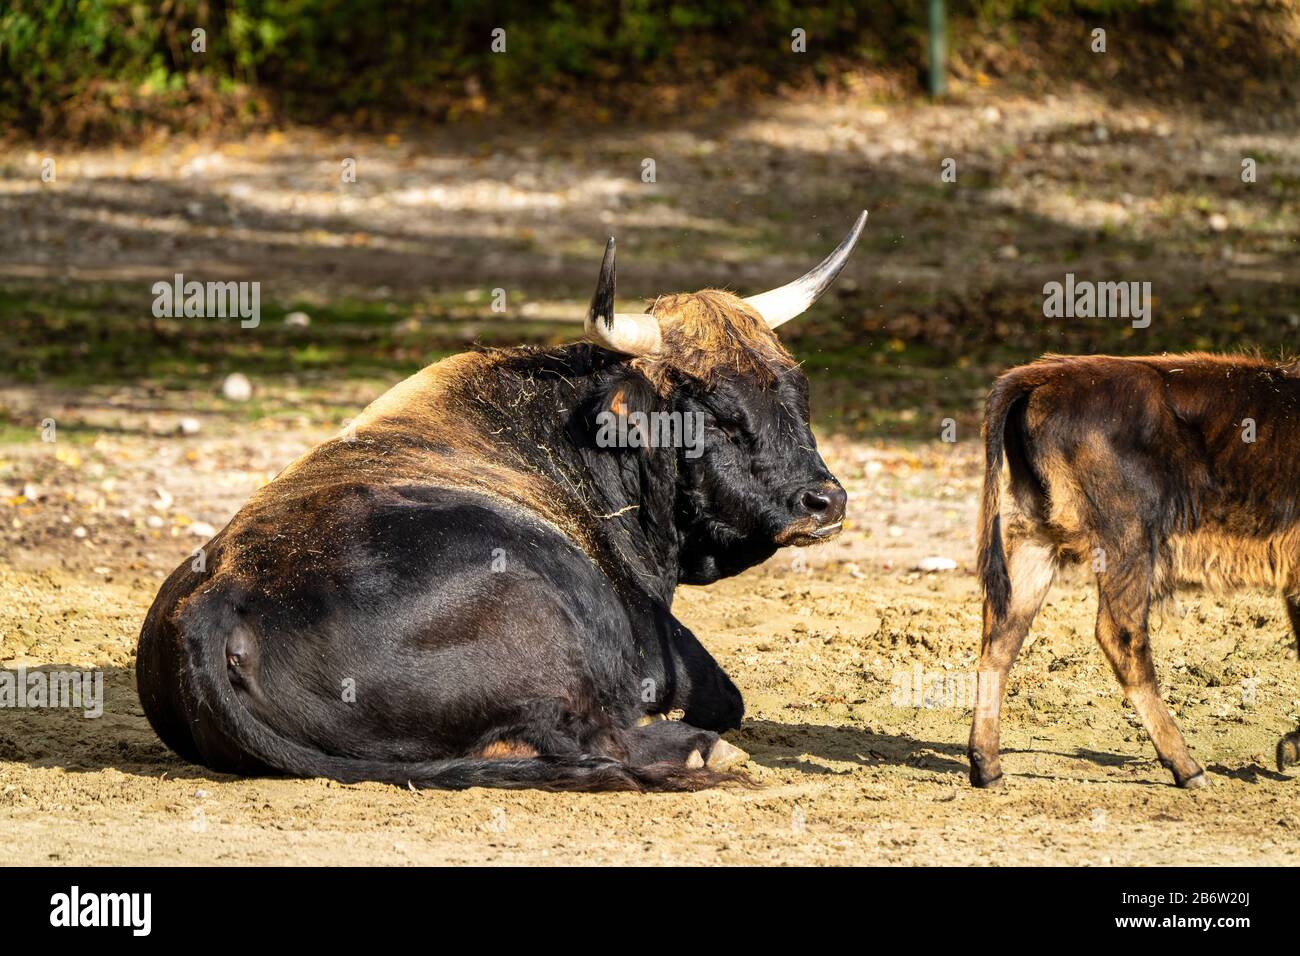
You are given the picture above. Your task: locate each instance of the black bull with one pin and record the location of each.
(465, 589)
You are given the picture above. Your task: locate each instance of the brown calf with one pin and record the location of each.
(1157, 471)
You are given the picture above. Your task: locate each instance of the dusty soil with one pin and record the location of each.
(819, 641)
(852, 770)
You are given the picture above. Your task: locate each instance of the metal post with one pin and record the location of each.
(938, 49)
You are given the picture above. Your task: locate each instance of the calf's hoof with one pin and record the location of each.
(985, 772)
(694, 761)
(724, 756)
(1288, 751)
(1196, 781)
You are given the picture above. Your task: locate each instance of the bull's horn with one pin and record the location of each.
(781, 305)
(625, 332)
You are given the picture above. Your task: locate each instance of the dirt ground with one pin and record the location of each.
(833, 647)
(829, 645)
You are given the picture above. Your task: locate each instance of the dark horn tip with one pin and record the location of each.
(607, 260)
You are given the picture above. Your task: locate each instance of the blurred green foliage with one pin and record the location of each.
(87, 66)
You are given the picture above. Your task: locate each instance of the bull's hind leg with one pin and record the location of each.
(1123, 606)
(1288, 748)
(1031, 565)
(675, 741)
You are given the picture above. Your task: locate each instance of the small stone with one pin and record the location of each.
(237, 387)
(1218, 222)
(154, 521)
(78, 532)
(936, 564)
(188, 426)
(201, 529)
(299, 320)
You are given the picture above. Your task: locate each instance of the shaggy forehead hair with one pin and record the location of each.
(711, 333)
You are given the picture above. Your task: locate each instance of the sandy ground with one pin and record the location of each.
(853, 771)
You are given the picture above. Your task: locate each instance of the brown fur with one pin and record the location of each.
(710, 333)
(376, 449)
(501, 749)
(1137, 466)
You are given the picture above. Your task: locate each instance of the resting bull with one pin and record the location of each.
(467, 589)
(1156, 471)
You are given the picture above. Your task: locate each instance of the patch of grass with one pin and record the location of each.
(893, 369)
(107, 334)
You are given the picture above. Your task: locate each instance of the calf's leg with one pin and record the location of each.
(1123, 605)
(1031, 565)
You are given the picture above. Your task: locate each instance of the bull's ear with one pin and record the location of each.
(627, 392)
(621, 397)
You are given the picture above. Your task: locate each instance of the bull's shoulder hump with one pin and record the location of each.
(428, 389)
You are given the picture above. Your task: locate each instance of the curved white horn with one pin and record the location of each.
(625, 332)
(781, 305)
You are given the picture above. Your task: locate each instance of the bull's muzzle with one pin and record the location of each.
(819, 515)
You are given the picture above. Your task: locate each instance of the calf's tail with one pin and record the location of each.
(992, 564)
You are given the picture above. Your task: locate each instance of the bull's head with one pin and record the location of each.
(759, 483)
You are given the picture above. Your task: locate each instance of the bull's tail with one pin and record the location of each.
(205, 631)
(993, 574)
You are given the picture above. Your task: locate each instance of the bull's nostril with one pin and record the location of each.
(815, 501)
(825, 503)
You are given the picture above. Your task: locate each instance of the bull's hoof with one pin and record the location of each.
(646, 720)
(694, 761)
(724, 756)
(1288, 751)
(996, 783)
(1196, 782)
